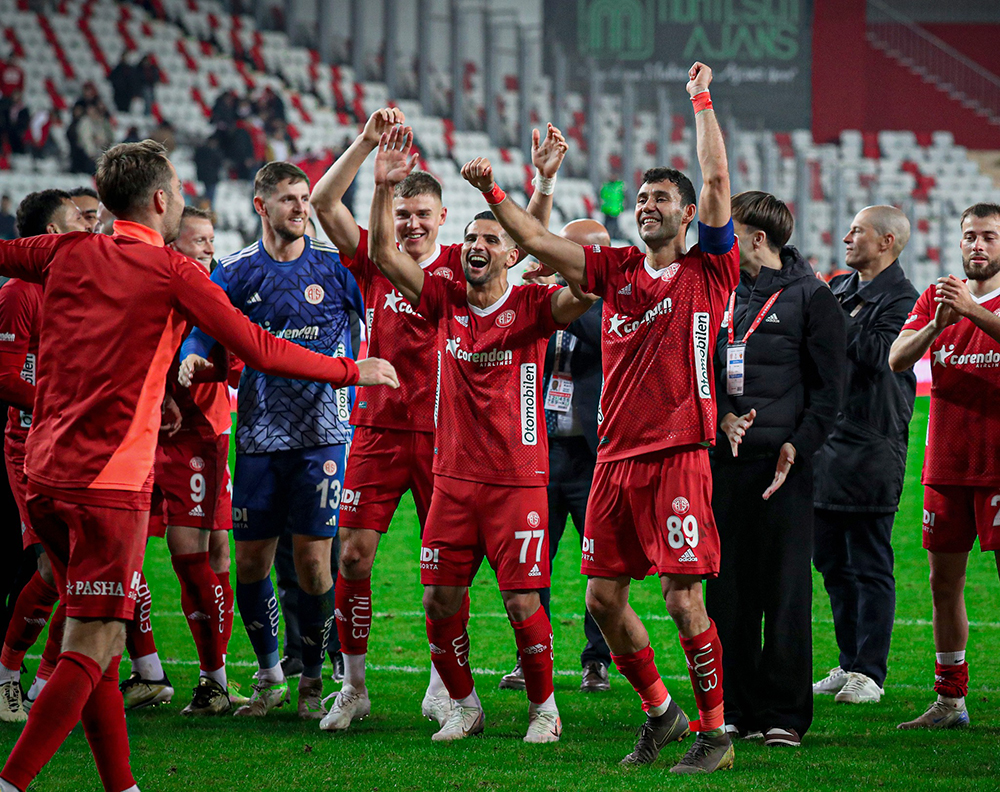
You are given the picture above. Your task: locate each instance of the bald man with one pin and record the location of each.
(859, 470)
(572, 393)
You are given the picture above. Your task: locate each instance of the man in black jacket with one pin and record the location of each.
(779, 369)
(572, 393)
(859, 470)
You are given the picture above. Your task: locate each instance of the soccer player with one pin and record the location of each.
(291, 436)
(88, 203)
(191, 473)
(959, 322)
(393, 448)
(113, 310)
(491, 455)
(44, 212)
(650, 506)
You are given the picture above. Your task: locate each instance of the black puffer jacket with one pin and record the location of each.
(860, 467)
(794, 362)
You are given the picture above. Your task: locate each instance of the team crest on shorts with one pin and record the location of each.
(197, 463)
(314, 294)
(443, 272)
(533, 519)
(506, 318)
(330, 467)
(680, 505)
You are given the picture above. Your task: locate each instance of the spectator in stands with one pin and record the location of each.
(859, 470)
(125, 83)
(207, 163)
(11, 78)
(149, 77)
(79, 162)
(94, 134)
(271, 107)
(165, 134)
(224, 111)
(8, 229)
(15, 121)
(88, 96)
(279, 145)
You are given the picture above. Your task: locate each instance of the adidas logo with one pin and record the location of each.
(332, 521)
(198, 616)
(535, 649)
(437, 650)
(626, 290)
(339, 615)
(773, 319)
(535, 571)
(196, 512)
(462, 320)
(688, 556)
(254, 298)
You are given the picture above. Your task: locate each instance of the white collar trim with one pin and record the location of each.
(495, 307)
(656, 274)
(434, 256)
(987, 297)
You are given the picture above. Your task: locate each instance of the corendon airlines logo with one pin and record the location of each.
(622, 326)
(491, 357)
(398, 304)
(946, 355)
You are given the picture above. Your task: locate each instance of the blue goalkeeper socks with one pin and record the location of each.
(315, 622)
(259, 611)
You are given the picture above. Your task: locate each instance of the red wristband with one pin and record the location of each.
(701, 101)
(495, 195)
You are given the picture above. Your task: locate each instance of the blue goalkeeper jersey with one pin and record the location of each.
(305, 301)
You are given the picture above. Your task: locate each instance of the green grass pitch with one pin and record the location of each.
(847, 748)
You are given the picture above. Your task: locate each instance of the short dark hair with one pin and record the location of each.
(274, 173)
(37, 210)
(80, 192)
(418, 183)
(766, 213)
(196, 211)
(981, 210)
(488, 215)
(684, 186)
(128, 174)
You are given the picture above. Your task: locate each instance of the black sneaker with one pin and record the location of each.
(209, 698)
(595, 677)
(514, 680)
(291, 666)
(711, 751)
(337, 660)
(655, 733)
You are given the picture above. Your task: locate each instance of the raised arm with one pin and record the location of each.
(714, 201)
(911, 345)
(565, 257)
(328, 195)
(546, 155)
(393, 163)
(568, 307)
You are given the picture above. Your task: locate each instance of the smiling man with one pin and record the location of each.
(393, 448)
(959, 322)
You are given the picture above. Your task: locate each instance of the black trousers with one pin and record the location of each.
(16, 565)
(288, 594)
(765, 575)
(571, 473)
(853, 553)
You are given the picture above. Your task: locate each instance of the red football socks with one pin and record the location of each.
(450, 653)
(139, 632)
(639, 669)
(104, 724)
(534, 642)
(33, 608)
(951, 681)
(704, 662)
(353, 603)
(228, 610)
(203, 606)
(53, 715)
(53, 643)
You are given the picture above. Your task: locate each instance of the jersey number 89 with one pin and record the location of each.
(681, 531)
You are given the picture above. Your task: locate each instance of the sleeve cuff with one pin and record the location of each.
(716, 241)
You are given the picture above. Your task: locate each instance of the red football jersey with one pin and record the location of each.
(113, 315)
(20, 317)
(963, 433)
(399, 334)
(491, 427)
(658, 333)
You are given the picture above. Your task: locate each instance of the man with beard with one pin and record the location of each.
(650, 508)
(491, 456)
(291, 436)
(86, 199)
(959, 322)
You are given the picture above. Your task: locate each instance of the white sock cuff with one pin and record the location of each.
(950, 658)
(654, 712)
(149, 667)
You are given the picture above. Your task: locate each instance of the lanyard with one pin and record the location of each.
(760, 317)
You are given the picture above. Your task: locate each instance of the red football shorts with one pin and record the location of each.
(19, 486)
(954, 516)
(190, 475)
(652, 514)
(468, 520)
(382, 465)
(96, 554)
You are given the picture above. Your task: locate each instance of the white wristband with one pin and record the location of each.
(544, 184)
